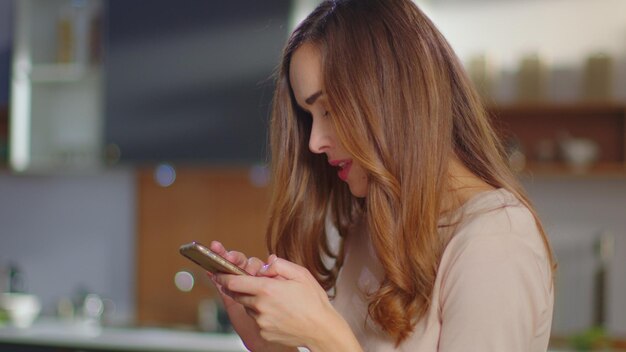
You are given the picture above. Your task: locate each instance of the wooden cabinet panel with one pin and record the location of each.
(203, 204)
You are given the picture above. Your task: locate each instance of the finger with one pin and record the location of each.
(248, 301)
(226, 298)
(212, 278)
(284, 268)
(228, 294)
(254, 265)
(221, 289)
(237, 258)
(264, 271)
(252, 313)
(218, 248)
(243, 284)
(234, 257)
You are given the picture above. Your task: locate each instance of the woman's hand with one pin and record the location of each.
(243, 324)
(290, 307)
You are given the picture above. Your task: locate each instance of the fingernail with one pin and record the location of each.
(264, 268)
(271, 260)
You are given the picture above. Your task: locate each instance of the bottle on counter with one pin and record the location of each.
(15, 280)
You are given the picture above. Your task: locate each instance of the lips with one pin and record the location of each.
(344, 167)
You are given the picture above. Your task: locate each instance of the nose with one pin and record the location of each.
(321, 135)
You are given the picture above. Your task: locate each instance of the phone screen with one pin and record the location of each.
(209, 260)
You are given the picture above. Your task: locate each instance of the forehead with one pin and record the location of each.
(305, 72)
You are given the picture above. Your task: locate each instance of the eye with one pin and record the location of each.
(326, 113)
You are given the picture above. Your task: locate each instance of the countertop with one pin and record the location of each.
(53, 333)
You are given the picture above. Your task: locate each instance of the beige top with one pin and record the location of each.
(493, 290)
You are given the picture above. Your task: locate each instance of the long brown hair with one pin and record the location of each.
(402, 106)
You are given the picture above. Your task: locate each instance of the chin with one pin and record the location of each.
(358, 192)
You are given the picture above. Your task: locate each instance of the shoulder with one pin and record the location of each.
(495, 218)
(497, 231)
(495, 273)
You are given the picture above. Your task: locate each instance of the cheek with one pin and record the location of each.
(360, 183)
(364, 181)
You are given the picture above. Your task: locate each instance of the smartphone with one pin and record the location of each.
(209, 260)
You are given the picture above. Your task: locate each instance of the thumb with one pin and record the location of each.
(283, 268)
(226, 299)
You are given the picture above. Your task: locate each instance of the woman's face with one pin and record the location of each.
(305, 75)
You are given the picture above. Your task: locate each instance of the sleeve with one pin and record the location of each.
(492, 296)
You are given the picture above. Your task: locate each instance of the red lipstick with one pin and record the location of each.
(344, 168)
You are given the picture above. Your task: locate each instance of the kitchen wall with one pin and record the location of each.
(575, 213)
(563, 32)
(68, 233)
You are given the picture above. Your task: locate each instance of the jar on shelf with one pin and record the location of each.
(598, 77)
(532, 78)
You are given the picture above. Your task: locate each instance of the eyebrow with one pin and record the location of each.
(310, 100)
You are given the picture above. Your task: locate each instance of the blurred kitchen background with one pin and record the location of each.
(128, 128)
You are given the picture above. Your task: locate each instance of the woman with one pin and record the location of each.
(376, 131)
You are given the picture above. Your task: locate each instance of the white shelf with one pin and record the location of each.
(56, 108)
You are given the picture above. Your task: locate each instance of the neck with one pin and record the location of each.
(462, 186)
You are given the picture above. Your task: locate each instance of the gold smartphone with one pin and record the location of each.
(209, 260)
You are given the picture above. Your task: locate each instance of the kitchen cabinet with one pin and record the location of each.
(191, 82)
(187, 81)
(540, 133)
(56, 86)
(202, 204)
